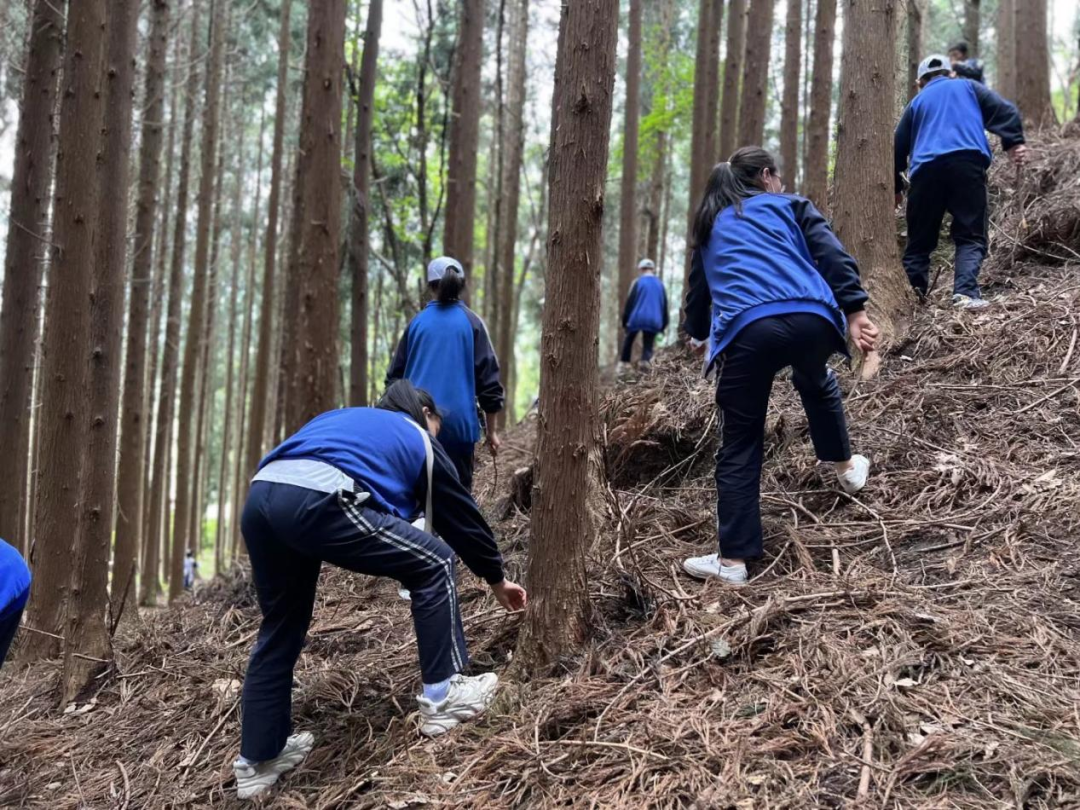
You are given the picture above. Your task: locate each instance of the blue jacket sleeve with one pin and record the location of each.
(458, 520)
(631, 302)
(698, 313)
(902, 147)
(835, 264)
(1000, 116)
(489, 389)
(401, 358)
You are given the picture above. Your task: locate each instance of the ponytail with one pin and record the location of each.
(728, 184)
(447, 290)
(403, 397)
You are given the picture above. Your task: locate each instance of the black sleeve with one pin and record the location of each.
(1000, 117)
(969, 69)
(631, 301)
(902, 148)
(401, 357)
(835, 264)
(489, 389)
(664, 323)
(698, 313)
(458, 520)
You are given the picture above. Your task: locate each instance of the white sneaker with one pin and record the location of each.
(967, 302)
(854, 479)
(467, 698)
(623, 370)
(404, 594)
(710, 566)
(255, 778)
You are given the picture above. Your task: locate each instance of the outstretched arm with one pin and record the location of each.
(698, 317)
(1000, 116)
(901, 149)
(835, 264)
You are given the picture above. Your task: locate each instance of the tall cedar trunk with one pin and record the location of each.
(699, 161)
(129, 488)
(628, 188)
(167, 405)
(1033, 65)
(562, 526)
(733, 67)
(66, 361)
(28, 223)
(261, 389)
(759, 24)
(915, 20)
(491, 271)
(187, 439)
(1006, 55)
(816, 176)
(320, 143)
(513, 160)
(902, 18)
(658, 178)
(864, 212)
(971, 25)
(712, 98)
(359, 229)
(789, 107)
(290, 398)
(464, 135)
(494, 178)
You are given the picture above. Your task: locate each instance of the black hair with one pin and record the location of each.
(403, 397)
(728, 184)
(960, 46)
(448, 289)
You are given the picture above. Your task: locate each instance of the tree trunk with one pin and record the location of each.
(24, 261)
(789, 108)
(129, 488)
(1033, 65)
(971, 26)
(320, 143)
(712, 96)
(464, 136)
(864, 210)
(359, 230)
(733, 67)
(699, 161)
(759, 24)
(513, 161)
(1006, 55)
(628, 192)
(816, 182)
(562, 527)
(915, 21)
(66, 360)
(658, 178)
(190, 407)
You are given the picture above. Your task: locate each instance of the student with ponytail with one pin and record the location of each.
(770, 287)
(446, 350)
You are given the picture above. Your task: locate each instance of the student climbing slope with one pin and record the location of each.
(341, 490)
(645, 312)
(446, 351)
(770, 287)
(14, 591)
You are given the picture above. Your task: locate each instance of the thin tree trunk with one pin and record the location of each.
(733, 67)
(789, 112)
(129, 489)
(1006, 56)
(24, 260)
(711, 145)
(752, 103)
(556, 623)
(628, 188)
(972, 18)
(493, 281)
(816, 184)
(699, 161)
(1033, 65)
(915, 45)
(658, 179)
(65, 368)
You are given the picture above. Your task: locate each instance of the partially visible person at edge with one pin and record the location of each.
(964, 66)
(14, 591)
(943, 133)
(645, 312)
(342, 490)
(191, 567)
(446, 351)
(770, 287)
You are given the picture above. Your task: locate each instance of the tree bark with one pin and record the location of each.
(464, 136)
(1006, 55)
(712, 96)
(628, 188)
(359, 230)
(557, 620)
(789, 108)
(66, 361)
(816, 176)
(1033, 65)
(752, 103)
(129, 489)
(864, 211)
(972, 19)
(320, 143)
(24, 259)
(698, 159)
(658, 178)
(915, 21)
(733, 67)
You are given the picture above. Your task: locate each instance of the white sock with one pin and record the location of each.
(242, 760)
(436, 692)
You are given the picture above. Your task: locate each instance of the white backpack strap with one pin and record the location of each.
(429, 463)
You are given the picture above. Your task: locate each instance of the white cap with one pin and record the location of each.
(646, 264)
(441, 266)
(935, 63)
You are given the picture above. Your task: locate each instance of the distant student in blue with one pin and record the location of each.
(342, 490)
(14, 591)
(447, 352)
(770, 287)
(645, 311)
(943, 133)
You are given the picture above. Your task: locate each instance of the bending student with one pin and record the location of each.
(770, 285)
(342, 490)
(14, 591)
(645, 311)
(446, 351)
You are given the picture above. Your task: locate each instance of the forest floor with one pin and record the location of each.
(915, 646)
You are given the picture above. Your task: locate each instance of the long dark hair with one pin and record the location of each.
(729, 183)
(448, 289)
(403, 397)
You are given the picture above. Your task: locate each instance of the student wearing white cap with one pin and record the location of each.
(645, 311)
